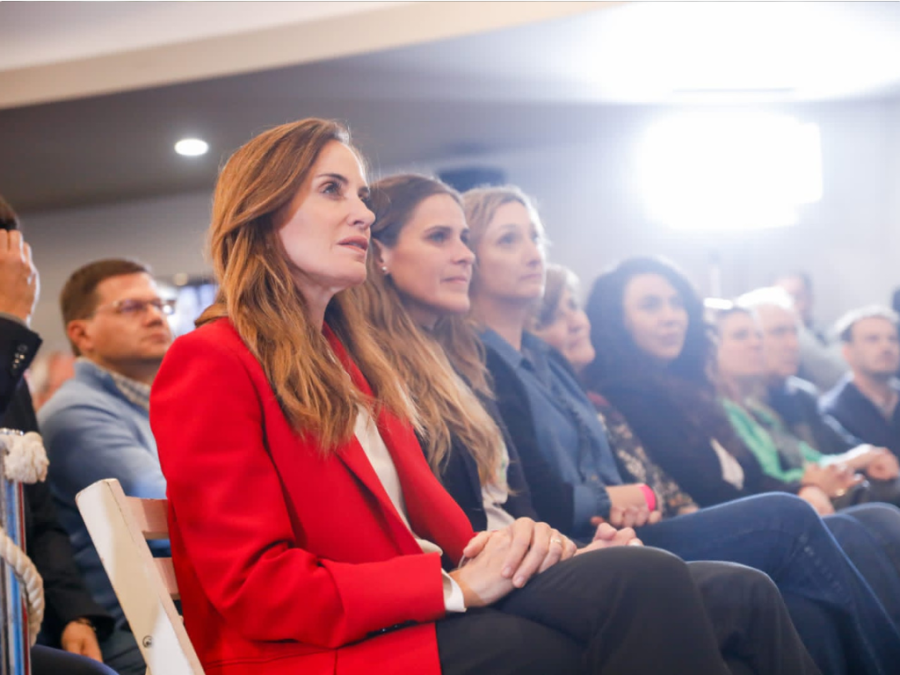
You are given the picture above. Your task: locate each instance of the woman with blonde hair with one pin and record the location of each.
(416, 298)
(565, 452)
(308, 532)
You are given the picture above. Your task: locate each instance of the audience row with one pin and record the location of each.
(382, 456)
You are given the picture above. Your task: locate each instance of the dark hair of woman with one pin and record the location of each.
(617, 354)
(621, 369)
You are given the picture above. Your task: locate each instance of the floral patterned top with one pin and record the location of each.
(635, 465)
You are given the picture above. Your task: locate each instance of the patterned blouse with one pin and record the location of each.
(635, 465)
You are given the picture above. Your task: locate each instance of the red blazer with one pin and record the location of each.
(287, 560)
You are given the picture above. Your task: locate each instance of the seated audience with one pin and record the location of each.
(415, 298)
(97, 424)
(308, 531)
(739, 379)
(651, 318)
(653, 359)
(73, 623)
(571, 473)
(561, 322)
(820, 362)
(793, 402)
(865, 402)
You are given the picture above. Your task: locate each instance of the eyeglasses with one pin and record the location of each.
(133, 307)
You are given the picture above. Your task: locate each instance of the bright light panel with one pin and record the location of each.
(191, 147)
(730, 171)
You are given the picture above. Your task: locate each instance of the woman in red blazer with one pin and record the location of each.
(308, 532)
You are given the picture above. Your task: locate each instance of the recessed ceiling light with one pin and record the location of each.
(191, 147)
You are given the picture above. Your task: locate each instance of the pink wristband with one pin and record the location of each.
(649, 496)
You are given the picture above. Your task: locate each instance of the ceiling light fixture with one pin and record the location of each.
(191, 147)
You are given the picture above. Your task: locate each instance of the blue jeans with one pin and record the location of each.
(784, 537)
(882, 521)
(869, 534)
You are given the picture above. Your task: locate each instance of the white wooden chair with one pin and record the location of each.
(145, 586)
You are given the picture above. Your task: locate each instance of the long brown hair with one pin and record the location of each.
(442, 369)
(258, 295)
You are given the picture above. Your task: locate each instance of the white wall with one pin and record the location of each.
(167, 233)
(849, 242)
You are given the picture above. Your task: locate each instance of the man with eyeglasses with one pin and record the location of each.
(97, 424)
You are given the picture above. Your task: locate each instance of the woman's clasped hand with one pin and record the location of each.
(497, 562)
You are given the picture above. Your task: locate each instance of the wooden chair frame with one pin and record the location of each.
(145, 586)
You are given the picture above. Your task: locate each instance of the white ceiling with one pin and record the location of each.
(40, 33)
(675, 52)
(458, 78)
(71, 50)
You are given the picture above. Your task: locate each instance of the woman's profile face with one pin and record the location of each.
(569, 331)
(739, 354)
(431, 262)
(324, 229)
(655, 316)
(511, 256)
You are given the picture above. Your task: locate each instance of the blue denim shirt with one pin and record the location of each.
(93, 431)
(568, 433)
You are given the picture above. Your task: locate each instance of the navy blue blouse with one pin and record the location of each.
(568, 433)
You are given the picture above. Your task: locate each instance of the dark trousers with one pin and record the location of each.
(49, 661)
(620, 611)
(751, 622)
(781, 535)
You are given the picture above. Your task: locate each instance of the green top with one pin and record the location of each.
(753, 425)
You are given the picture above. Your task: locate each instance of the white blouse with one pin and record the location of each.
(495, 494)
(373, 445)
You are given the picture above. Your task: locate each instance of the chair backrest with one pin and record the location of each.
(145, 586)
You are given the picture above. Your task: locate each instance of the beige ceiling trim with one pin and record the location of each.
(287, 45)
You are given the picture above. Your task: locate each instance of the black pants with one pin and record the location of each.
(628, 611)
(49, 661)
(751, 622)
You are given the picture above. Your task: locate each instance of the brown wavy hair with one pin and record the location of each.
(257, 293)
(442, 369)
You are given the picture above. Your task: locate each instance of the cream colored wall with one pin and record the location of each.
(593, 210)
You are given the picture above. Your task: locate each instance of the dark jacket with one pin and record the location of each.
(551, 496)
(682, 446)
(797, 403)
(859, 416)
(460, 478)
(47, 544)
(18, 345)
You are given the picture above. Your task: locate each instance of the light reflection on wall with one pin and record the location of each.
(728, 171)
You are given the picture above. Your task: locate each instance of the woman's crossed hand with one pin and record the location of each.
(497, 562)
